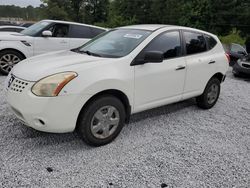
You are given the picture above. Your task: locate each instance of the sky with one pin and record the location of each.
(22, 3)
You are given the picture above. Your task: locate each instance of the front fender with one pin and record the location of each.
(27, 51)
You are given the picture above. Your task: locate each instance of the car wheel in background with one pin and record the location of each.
(210, 95)
(236, 75)
(101, 120)
(9, 58)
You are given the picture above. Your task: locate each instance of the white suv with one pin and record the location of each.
(43, 37)
(96, 87)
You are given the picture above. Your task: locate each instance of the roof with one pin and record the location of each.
(154, 27)
(66, 22)
(150, 27)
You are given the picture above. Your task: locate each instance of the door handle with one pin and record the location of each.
(180, 67)
(212, 62)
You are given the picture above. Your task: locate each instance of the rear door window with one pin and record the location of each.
(195, 42)
(211, 42)
(78, 31)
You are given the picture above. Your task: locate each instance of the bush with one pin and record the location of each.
(233, 37)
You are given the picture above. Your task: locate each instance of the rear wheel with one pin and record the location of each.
(9, 58)
(101, 121)
(210, 95)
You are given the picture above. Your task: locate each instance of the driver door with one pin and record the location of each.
(157, 84)
(58, 41)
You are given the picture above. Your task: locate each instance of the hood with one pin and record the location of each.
(38, 67)
(12, 36)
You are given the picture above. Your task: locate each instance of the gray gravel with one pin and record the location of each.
(178, 145)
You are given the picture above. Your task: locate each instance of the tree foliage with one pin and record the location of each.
(28, 13)
(217, 16)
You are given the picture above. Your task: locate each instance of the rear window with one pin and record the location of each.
(211, 42)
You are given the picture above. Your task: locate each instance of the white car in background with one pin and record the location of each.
(43, 37)
(11, 28)
(96, 87)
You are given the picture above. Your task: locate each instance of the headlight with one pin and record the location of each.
(52, 85)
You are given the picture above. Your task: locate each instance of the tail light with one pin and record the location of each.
(228, 57)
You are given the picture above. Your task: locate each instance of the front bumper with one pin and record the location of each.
(48, 114)
(239, 69)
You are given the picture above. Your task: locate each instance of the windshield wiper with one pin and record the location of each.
(90, 53)
(75, 50)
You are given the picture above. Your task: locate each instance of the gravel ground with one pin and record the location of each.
(177, 145)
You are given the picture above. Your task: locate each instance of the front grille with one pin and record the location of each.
(18, 85)
(246, 65)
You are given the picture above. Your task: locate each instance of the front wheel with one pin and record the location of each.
(210, 95)
(101, 121)
(9, 58)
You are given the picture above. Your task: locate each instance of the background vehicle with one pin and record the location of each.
(26, 24)
(96, 87)
(236, 52)
(10, 28)
(242, 66)
(42, 37)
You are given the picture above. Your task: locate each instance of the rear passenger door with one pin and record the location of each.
(201, 62)
(80, 34)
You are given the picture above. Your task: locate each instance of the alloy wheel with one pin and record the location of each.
(7, 62)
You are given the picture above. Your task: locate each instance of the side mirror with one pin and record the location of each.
(154, 57)
(150, 57)
(47, 33)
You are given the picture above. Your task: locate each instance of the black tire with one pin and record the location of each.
(11, 52)
(87, 114)
(203, 100)
(236, 75)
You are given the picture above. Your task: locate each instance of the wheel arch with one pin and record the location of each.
(12, 49)
(219, 76)
(113, 92)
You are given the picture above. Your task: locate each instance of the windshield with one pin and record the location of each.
(115, 43)
(34, 29)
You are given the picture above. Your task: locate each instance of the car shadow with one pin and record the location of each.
(242, 77)
(72, 141)
(60, 142)
(163, 110)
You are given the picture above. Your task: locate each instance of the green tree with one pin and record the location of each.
(96, 11)
(56, 9)
(89, 11)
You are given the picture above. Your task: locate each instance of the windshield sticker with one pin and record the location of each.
(133, 36)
